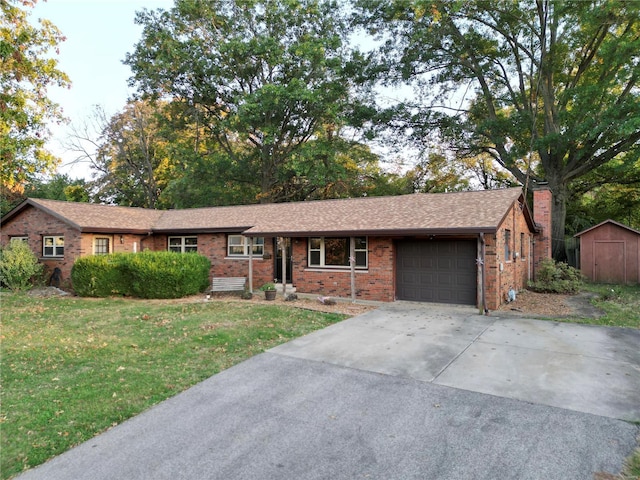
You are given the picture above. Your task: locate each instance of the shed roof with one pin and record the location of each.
(421, 213)
(609, 221)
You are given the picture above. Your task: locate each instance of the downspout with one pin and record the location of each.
(485, 310)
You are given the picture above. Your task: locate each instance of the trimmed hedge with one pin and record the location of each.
(144, 275)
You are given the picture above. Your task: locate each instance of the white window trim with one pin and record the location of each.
(183, 245)
(54, 246)
(245, 246)
(322, 266)
(22, 238)
(100, 237)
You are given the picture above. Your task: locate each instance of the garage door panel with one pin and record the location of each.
(437, 271)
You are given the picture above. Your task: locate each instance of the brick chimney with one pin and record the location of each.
(542, 201)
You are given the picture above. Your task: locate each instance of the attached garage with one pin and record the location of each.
(440, 271)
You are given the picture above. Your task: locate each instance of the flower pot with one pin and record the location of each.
(270, 294)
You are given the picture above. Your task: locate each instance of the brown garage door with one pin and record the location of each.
(442, 271)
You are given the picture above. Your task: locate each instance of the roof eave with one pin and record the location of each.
(395, 232)
(194, 230)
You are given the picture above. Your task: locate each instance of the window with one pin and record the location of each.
(522, 254)
(238, 246)
(101, 245)
(334, 252)
(507, 244)
(53, 246)
(183, 244)
(20, 239)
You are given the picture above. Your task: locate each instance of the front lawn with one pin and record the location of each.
(74, 367)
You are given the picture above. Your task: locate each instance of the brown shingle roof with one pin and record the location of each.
(459, 212)
(422, 213)
(91, 217)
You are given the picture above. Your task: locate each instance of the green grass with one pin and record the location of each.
(72, 367)
(621, 304)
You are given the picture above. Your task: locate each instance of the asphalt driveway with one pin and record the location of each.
(408, 391)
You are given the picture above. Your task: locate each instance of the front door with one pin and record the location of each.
(278, 259)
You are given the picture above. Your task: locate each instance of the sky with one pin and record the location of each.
(99, 35)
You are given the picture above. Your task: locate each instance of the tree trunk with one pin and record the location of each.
(560, 191)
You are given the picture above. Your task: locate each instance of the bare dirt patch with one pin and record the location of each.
(529, 303)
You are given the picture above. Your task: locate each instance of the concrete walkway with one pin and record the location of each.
(393, 394)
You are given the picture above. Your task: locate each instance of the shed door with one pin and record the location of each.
(608, 257)
(441, 271)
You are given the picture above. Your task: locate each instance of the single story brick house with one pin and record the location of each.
(610, 253)
(462, 247)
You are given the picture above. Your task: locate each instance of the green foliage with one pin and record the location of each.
(132, 163)
(101, 275)
(27, 69)
(267, 88)
(268, 286)
(167, 274)
(18, 266)
(557, 277)
(143, 275)
(549, 90)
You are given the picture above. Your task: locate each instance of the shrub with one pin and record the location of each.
(168, 274)
(144, 275)
(18, 266)
(101, 275)
(557, 277)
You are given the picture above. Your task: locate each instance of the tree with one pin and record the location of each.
(58, 187)
(266, 78)
(131, 161)
(611, 191)
(27, 70)
(548, 89)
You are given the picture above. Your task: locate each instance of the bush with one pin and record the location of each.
(144, 275)
(101, 275)
(18, 266)
(167, 274)
(557, 277)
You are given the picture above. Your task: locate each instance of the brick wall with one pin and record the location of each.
(504, 273)
(36, 224)
(214, 247)
(375, 283)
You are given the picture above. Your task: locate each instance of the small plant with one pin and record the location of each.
(557, 277)
(18, 266)
(611, 294)
(269, 286)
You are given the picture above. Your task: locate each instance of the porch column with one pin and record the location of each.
(352, 263)
(283, 246)
(251, 265)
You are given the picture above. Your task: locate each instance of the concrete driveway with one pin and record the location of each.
(408, 391)
(579, 367)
